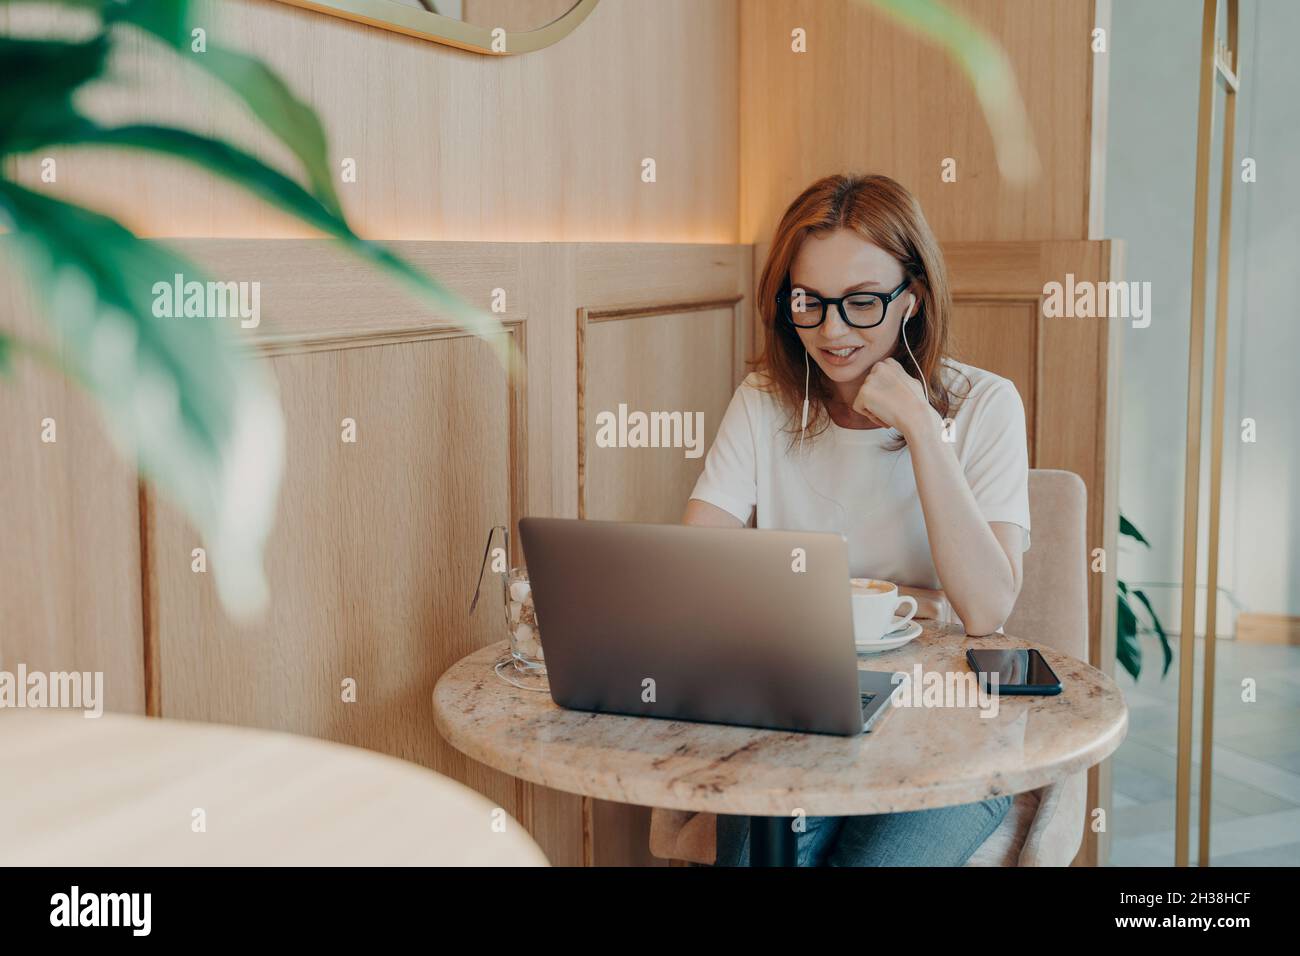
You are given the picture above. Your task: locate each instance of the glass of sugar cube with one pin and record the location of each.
(521, 621)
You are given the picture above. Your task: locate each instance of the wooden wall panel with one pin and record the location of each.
(672, 362)
(870, 97)
(448, 144)
(1002, 337)
(70, 559)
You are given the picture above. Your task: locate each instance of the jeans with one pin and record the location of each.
(944, 836)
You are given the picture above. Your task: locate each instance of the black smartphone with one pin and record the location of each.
(1019, 671)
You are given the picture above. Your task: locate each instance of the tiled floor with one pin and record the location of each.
(1255, 792)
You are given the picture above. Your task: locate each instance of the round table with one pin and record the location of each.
(915, 758)
(122, 790)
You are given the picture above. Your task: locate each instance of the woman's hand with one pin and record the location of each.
(893, 398)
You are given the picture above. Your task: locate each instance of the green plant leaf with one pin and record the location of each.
(273, 186)
(6, 355)
(164, 17)
(1128, 652)
(168, 20)
(1128, 528)
(178, 395)
(262, 91)
(39, 107)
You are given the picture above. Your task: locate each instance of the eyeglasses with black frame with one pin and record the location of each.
(862, 310)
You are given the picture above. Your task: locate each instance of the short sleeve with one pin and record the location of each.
(729, 479)
(997, 457)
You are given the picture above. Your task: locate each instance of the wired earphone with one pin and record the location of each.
(803, 425)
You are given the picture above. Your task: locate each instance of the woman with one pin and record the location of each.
(857, 421)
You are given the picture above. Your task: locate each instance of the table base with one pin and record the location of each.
(772, 842)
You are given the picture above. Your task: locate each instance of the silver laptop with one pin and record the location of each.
(704, 624)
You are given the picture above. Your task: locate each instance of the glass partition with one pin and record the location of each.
(1210, 771)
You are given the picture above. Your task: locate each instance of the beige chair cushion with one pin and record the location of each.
(684, 835)
(1003, 846)
(1044, 827)
(1057, 831)
(1053, 602)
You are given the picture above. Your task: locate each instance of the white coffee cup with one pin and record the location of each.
(876, 609)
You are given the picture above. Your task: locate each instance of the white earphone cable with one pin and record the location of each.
(803, 426)
(911, 304)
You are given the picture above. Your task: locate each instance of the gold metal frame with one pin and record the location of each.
(1216, 62)
(430, 26)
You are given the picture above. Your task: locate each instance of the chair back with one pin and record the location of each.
(1053, 605)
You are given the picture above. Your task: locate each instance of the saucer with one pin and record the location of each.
(892, 640)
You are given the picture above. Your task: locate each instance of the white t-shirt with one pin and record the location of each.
(849, 482)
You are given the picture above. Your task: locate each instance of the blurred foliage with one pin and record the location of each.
(183, 399)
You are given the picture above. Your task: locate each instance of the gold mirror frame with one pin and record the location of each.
(430, 26)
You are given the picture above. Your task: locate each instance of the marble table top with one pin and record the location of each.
(125, 790)
(916, 757)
